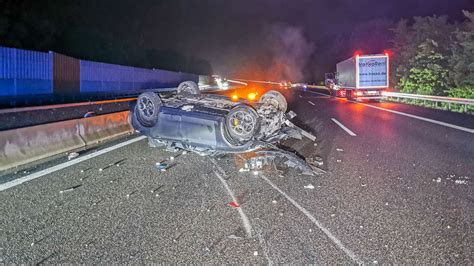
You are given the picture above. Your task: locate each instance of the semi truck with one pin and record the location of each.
(361, 77)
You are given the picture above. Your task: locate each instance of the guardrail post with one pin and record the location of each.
(449, 106)
(465, 108)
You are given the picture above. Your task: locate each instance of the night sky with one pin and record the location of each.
(253, 39)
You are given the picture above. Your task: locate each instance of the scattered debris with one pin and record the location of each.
(162, 166)
(171, 158)
(438, 180)
(274, 201)
(332, 215)
(255, 253)
(187, 108)
(255, 172)
(244, 170)
(156, 189)
(234, 204)
(131, 193)
(72, 155)
(70, 189)
(338, 161)
(309, 186)
(84, 178)
(338, 149)
(234, 237)
(85, 170)
(460, 182)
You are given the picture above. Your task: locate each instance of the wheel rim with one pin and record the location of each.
(242, 123)
(146, 106)
(186, 89)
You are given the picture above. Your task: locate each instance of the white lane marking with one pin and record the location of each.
(469, 130)
(343, 127)
(245, 220)
(300, 96)
(334, 239)
(310, 102)
(264, 248)
(58, 167)
(465, 129)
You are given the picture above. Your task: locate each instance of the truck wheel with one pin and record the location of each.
(349, 95)
(188, 88)
(147, 108)
(275, 98)
(241, 124)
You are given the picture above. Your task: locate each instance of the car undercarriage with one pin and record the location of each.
(212, 124)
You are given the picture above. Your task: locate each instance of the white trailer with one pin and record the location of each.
(362, 77)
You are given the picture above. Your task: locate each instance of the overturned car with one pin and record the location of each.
(211, 124)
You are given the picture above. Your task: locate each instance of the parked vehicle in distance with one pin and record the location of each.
(361, 77)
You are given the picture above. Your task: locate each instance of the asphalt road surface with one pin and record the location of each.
(396, 189)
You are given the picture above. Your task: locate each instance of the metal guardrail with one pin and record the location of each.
(434, 99)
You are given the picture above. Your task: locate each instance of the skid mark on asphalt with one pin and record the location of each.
(333, 238)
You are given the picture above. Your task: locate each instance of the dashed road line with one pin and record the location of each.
(245, 219)
(310, 102)
(58, 167)
(343, 127)
(333, 238)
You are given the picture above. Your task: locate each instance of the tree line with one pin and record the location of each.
(434, 56)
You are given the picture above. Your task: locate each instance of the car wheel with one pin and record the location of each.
(275, 98)
(188, 88)
(147, 108)
(241, 124)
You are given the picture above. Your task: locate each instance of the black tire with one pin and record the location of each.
(241, 124)
(147, 108)
(188, 88)
(276, 98)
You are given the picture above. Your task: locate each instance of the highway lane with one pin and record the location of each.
(415, 175)
(398, 191)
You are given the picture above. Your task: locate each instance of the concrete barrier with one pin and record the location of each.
(25, 145)
(100, 128)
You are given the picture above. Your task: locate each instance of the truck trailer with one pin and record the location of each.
(361, 77)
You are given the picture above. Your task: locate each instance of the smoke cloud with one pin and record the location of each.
(290, 52)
